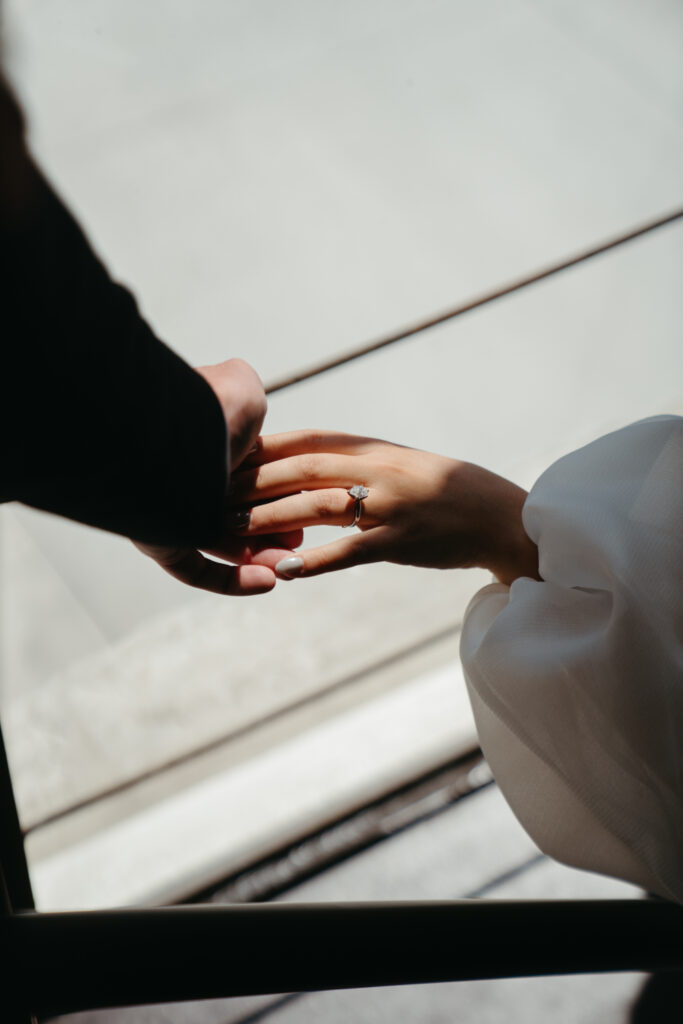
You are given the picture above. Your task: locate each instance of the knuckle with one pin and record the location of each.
(239, 365)
(317, 439)
(265, 517)
(324, 504)
(325, 558)
(172, 558)
(308, 465)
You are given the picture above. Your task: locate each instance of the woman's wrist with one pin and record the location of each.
(513, 553)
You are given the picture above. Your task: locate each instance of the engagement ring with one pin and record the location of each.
(358, 493)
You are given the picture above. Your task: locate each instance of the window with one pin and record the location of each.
(283, 182)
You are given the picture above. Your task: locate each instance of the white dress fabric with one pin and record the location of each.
(576, 681)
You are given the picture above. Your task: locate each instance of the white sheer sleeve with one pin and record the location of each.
(576, 682)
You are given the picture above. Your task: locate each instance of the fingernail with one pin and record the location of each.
(289, 568)
(238, 519)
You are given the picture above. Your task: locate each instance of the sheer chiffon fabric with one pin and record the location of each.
(576, 682)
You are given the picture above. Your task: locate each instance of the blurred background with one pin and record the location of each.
(286, 182)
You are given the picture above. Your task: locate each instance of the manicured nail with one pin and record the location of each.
(289, 568)
(238, 519)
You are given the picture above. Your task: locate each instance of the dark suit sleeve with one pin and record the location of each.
(99, 420)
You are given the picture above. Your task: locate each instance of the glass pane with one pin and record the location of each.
(283, 182)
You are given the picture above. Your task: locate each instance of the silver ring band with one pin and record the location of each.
(358, 493)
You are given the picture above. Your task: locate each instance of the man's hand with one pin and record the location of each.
(240, 392)
(243, 401)
(253, 571)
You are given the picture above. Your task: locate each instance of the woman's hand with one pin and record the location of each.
(422, 509)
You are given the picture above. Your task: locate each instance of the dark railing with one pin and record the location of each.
(59, 963)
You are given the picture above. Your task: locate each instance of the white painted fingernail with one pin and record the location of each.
(289, 568)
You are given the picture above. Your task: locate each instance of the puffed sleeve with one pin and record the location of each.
(576, 681)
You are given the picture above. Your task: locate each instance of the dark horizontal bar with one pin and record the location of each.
(475, 303)
(76, 961)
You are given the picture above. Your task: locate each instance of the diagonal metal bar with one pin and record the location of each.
(77, 961)
(475, 303)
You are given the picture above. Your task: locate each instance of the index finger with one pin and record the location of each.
(273, 447)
